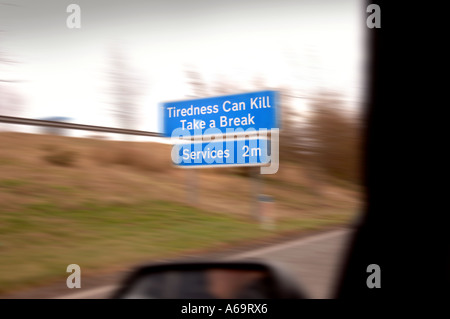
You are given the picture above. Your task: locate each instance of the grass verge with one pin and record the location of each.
(38, 244)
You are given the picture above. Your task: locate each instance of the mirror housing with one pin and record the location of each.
(210, 280)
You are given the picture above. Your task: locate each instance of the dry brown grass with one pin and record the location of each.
(145, 156)
(105, 171)
(115, 172)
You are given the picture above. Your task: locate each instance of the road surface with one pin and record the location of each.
(315, 261)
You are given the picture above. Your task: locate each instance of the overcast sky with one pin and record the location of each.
(297, 44)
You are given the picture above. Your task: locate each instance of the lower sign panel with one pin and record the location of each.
(235, 152)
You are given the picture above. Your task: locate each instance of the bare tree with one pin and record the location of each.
(11, 102)
(126, 89)
(336, 139)
(290, 129)
(197, 86)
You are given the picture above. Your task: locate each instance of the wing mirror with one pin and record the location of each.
(210, 280)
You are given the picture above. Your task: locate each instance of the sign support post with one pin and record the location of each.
(256, 186)
(192, 185)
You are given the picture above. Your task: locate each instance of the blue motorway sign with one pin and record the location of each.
(241, 151)
(221, 115)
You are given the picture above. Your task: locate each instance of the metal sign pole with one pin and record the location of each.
(256, 186)
(192, 185)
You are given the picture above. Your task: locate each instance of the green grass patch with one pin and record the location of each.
(38, 243)
(8, 161)
(12, 183)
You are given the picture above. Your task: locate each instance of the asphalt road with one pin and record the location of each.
(315, 261)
